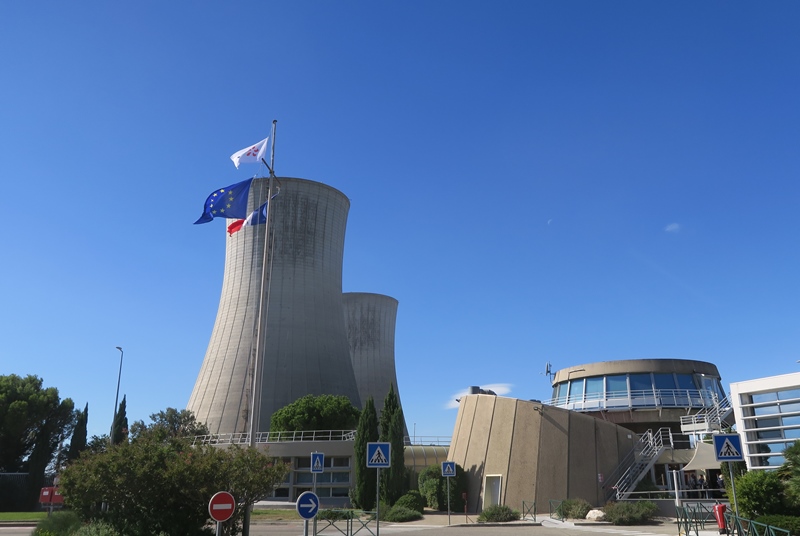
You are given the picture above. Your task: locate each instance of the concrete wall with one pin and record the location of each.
(541, 452)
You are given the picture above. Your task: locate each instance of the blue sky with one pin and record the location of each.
(534, 181)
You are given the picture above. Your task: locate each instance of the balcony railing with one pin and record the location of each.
(275, 437)
(645, 398)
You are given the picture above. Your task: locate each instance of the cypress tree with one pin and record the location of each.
(363, 493)
(78, 442)
(119, 430)
(393, 480)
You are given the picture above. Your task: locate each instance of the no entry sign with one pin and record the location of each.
(221, 506)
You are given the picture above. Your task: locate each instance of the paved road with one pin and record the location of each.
(548, 528)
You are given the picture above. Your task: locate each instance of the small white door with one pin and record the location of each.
(491, 490)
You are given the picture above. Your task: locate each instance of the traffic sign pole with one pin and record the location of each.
(378, 505)
(448, 502)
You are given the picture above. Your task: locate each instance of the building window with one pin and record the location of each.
(792, 407)
(664, 381)
(641, 382)
(771, 422)
(340, 492)
(685, 381)
(758, 398)
(576, 390)
(594, 388)
(789, 394)
(616, 386)
(766, 410)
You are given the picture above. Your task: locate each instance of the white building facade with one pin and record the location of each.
(767, 412)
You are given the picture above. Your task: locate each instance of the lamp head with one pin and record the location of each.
(119, 348)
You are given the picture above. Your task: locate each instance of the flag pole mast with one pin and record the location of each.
(266, 280)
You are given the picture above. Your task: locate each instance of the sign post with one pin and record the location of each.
(221, 508)
(307, 506)
(317, 467)
(378, 456)
(728, 448)
(448, 471)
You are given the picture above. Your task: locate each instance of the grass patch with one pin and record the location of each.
(277, 514)
(22, 516)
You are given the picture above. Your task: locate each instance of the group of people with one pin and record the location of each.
(699, 487)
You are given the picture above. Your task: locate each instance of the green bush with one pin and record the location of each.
(335, 514)
(790, 523)
(573, 509)
(412, 500)
(759, 493)
(401, 514)
(630, 513)
(499, 513)
(59, 524)
(96, 529)
(433, 487)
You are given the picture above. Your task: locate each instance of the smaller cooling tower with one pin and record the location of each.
(370, 323)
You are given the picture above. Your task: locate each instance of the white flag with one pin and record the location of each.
(254, 153)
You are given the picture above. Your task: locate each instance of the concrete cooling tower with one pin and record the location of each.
(370, 320)
(305, 349)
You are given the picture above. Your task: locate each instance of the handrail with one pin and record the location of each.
(678, 398)
(637, 461)
(275, 437)
(739, 526)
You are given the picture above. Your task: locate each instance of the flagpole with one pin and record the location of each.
(255, 399)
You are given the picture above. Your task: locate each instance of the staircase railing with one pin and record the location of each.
(709, 419)
(638, 461)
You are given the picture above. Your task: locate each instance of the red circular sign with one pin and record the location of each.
(221, 506)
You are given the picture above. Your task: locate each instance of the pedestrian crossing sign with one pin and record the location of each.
(378, 455)
(448, 469)
(317, 462)
(728, 448)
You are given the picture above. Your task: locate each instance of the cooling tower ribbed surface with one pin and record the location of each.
(370, 320)
(305, 349)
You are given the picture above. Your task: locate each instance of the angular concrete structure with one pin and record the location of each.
(305, 349)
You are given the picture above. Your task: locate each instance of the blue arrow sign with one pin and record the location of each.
(308, 505)
(728, 448)
(448, 469)
(378, 455)
(317, 462)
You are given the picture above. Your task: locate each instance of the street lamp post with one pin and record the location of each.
(116, 399)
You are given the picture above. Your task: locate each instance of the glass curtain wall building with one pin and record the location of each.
(767, 414)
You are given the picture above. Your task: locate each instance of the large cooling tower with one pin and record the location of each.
(305, 349)
(370, 321)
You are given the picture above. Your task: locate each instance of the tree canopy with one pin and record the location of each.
(316, 412)
(159, 481)
(33, 421)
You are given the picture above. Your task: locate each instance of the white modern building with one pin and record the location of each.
(767, 412)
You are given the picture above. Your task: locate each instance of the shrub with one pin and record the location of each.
(573, 509)
(759, 493)
(630, 513)
(433, 487)
(401, 514)
(499, 513)
(59, 524)
(335, 514)
(412, 500)
(790, 523)
(96, 529)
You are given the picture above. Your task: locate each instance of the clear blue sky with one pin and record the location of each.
(533, 181)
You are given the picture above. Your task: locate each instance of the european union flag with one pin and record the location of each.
(230, 202)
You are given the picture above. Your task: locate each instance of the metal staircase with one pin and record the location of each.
(638, 462)
(709, 419)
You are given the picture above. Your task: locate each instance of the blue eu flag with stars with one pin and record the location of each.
(230, 202)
